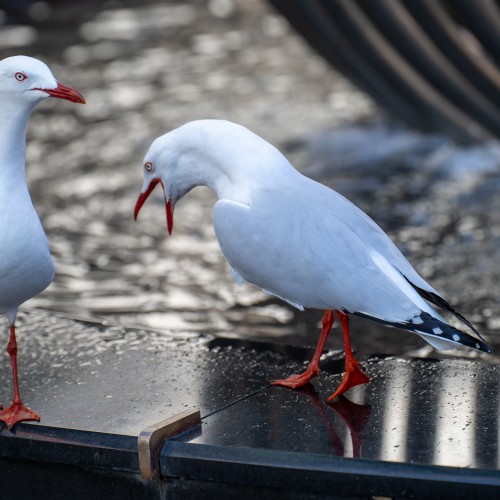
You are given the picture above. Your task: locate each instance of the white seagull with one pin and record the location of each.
(297, 239)
(26, 267)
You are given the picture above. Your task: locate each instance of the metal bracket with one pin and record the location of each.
(151, 440)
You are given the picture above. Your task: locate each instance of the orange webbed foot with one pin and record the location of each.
(17, 412)
(354, 376)
(295, 381)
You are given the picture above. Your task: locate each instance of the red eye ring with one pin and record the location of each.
(149, 167)
(20, 76)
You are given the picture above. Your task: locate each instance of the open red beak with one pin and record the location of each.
(65, 92)
(168, 204)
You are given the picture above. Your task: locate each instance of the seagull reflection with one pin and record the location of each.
(312, 394)
(351, 425)
(355, 416)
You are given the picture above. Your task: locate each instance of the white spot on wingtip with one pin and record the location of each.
(417, 320)
(437, 330)
(456, 337)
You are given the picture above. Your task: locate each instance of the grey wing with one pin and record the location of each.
(367, 229)
(312, 260)
(380, 241)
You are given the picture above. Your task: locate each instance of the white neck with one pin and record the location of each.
(196, 169)
(13, 122)
(256, 165)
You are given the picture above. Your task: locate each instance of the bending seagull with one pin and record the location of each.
(297, 239)
(26, 267)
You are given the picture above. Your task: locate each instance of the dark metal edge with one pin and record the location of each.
(323, 474)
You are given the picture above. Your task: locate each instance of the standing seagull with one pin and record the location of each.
(297, 239)
(26, 267)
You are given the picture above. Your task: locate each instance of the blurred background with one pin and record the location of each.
(416, 152)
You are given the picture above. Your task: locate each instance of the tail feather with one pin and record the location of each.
(439, 334)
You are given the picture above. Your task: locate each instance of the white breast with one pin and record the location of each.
(26, 267)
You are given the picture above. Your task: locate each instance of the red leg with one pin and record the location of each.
(16, 412)
(353, 373)
(295, 381)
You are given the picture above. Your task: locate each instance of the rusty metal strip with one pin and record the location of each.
(326, 35)
(448, 37)
(151, 440)
(405, 77)
(482, 17)
(410, 41)
(428, 78)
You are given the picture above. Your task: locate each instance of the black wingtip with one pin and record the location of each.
(430, 326)
(440, 330)
(437, 300)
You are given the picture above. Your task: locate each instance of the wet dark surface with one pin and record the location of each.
(97, 387)
(418, 411)
(112, 380)
(146, 67)
(108, 379)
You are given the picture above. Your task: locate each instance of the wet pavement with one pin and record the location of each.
(89, 377)
(422, 428)
(146, 67)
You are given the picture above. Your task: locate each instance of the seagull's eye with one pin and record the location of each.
(20, 76)
(149, 167)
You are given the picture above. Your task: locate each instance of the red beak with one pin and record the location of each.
(168, 204)
(65, 92)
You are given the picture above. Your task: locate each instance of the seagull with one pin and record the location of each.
(26, 267)
(298, 240)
